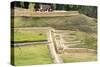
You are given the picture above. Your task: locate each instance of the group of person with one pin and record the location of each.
(37, 6)
(43, 8)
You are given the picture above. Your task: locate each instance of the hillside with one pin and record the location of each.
(79, 22)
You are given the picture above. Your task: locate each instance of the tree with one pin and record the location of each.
(89, 11)
(26, 5)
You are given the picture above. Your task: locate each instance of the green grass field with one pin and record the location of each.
(78, 57)
(88, 40)
(33, 54)
(34, 35)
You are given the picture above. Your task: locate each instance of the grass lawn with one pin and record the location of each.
(79, 57)
(33, 54)
(30, 35)
(88, 40)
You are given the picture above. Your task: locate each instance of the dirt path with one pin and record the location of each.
(55, 56)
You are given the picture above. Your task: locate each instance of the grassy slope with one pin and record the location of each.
(79, 22)
(33, 35)
(34, 54)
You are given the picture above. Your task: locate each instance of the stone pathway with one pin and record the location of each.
(52, 48)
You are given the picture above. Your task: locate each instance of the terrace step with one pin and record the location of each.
(73, 42)
(28, 12)
(64, 31)
(70, 45)
(69, 36)
(75, 50)
(70, 39)
(79, 50)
